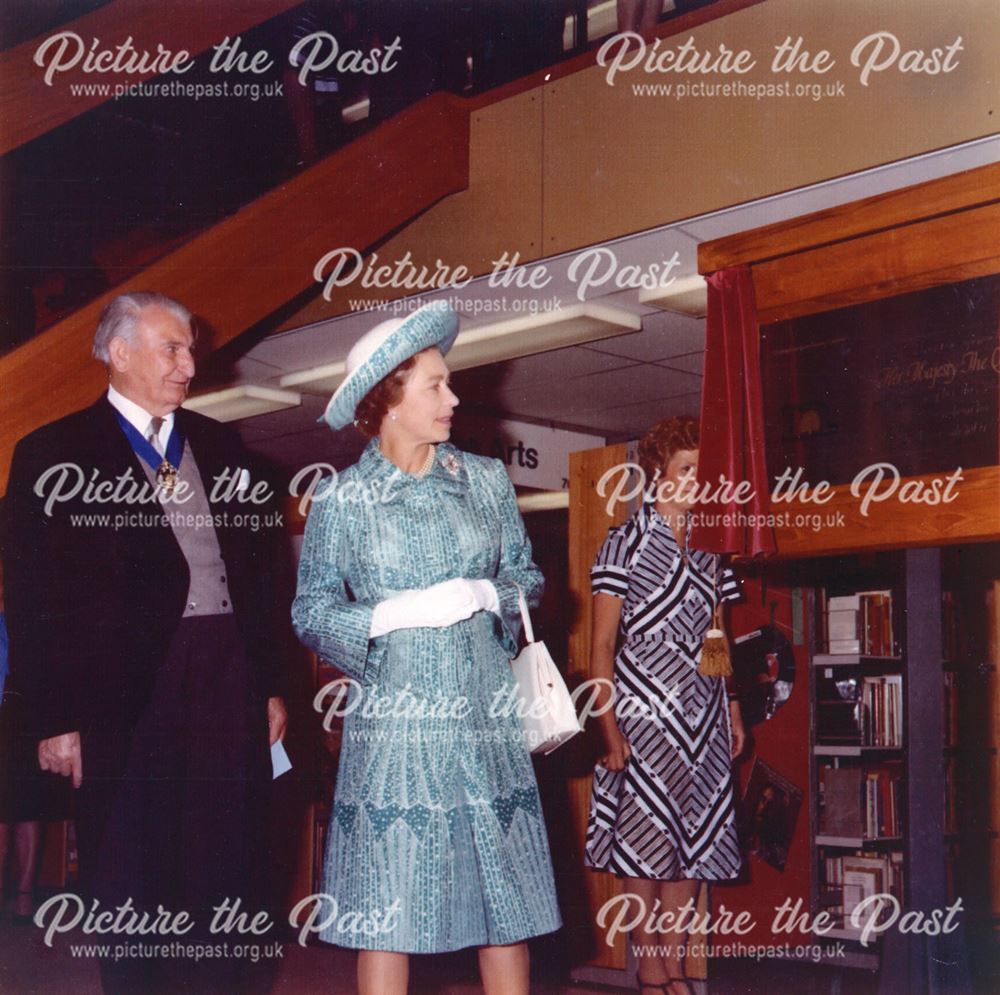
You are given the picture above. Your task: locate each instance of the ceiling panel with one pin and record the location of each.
(564, 400)
(315, 345)
(301, 418)
(517, 374)
(635, 418)
(663, 334)
(693, 362)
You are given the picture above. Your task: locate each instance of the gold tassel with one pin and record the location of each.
(715, 660)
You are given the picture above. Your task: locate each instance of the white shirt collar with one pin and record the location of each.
(138, 416)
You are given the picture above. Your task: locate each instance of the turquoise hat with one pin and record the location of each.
(379, 351)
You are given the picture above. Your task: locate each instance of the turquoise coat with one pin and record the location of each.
(437, 839)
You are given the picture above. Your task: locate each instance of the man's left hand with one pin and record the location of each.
(277, 720)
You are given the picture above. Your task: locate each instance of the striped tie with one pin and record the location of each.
(153, 435)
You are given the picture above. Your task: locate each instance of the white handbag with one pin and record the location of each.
(545, 706)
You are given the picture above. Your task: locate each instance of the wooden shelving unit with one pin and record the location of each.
(948, 842)
(879, 845)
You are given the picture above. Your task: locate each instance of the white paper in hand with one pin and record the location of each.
(280, 764)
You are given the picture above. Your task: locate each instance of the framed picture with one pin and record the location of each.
(768, 813)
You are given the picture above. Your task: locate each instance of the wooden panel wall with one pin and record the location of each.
(574, 162)
(974, 516)
(885, 211)
(640, 160)
(887, 263)
(499, 211)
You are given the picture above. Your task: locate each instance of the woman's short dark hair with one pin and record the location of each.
(664, 439)
(387, 393)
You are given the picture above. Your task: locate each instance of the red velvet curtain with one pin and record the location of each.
(732, 419)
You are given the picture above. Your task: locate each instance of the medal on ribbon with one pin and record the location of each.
(167, 466)
(166, 477)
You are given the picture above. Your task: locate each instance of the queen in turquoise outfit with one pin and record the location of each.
(408, 582)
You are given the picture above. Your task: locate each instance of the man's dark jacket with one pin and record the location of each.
(92, 607)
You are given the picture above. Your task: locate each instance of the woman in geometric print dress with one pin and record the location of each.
(662, 812)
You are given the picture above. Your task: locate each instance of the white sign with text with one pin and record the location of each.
(535, 455)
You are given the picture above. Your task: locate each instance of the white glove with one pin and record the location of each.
(486, 596)
(434, 607)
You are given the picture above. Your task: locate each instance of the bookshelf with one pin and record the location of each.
(872, 774)
(859, 771)
(971, 651)
(905, 773)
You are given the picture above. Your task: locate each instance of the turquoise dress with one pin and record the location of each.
(437, 839)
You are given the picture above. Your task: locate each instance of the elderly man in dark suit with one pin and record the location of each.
(143, 626)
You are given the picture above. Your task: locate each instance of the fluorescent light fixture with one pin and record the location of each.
(495, 343)
(358, 111)
(543, 501)
(244, 401)
(323, 379)
(685, 295)
(602, 20)
(542, 332)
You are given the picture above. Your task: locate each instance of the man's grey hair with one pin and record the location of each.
(120, 318)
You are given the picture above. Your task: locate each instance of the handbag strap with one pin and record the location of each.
(529, 633)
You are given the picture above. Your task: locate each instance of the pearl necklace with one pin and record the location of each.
(428, 463)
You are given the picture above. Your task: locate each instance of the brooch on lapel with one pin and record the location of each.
(451, 464)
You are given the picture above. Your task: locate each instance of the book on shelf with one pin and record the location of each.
(876, 623)
(863, 711)
(851, 878)
(950, 795)
(950, 708)
(949, 627)
(841, 791)
(860, 881)
(883, 803)
(861, 803)
(859, 623)
(882, 710)
(842, 627)
(867, 875)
